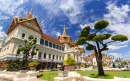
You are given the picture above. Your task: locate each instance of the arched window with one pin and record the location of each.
(39, 55)
(68, 54)
(18, 52)
(23, 35)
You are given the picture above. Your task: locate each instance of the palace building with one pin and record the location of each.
(92, 58)
(52, 51)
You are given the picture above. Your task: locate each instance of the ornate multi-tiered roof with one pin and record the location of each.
(64, 38)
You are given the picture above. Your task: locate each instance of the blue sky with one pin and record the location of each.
(76, 14)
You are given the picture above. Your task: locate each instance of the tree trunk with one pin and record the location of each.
(100, 68)
(26, 62)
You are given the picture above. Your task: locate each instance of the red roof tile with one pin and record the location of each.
(51, 38)
(72, 42)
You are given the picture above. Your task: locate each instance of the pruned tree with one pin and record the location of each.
(86, 36)
(29, 49)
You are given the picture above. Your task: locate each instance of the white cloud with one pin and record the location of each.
(116, 55)
(111, 47)
(118, 18)
(92, 10)
(10, 6)
(3, 17)
(2, 33)
(57, 34)
(81, 46)
(77, 32)
(128, 54)
(71, 8)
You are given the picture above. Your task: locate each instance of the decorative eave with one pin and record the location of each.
(52, 39)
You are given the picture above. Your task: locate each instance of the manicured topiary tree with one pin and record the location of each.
(29, 49)
(70, 61)
(86, 36)
(125, 63)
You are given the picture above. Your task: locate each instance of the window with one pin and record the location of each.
(57, 46)
(42, 41)
(60, 57)
(44, 55)
(54, 45)
(49, 56)
(23, 35)
(57, 57)
(62, 48)
(18, 52)
(39, 55)
(50, 44)
(53, 56)
(68, 54)
(46, 42)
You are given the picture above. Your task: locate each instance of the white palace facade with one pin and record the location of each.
(52, 51)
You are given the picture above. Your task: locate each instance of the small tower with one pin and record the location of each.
(64, 38)
(29, 16)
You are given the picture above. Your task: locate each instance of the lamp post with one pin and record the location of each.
(85, 62)
(51, 64)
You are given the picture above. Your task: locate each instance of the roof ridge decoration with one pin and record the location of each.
(29, 16)
(64, 33)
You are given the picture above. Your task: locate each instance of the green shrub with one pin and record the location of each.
(104, 64)
(89, 64)
(126, 70)
(102, 77)
(55, 69)
(14, 65)
(81, 65)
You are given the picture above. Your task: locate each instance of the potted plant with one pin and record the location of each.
(39, 75)
(70, 63)
(62, 73)
(81, 65)
(33, 65)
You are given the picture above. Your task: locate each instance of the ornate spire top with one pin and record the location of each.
(64, 33)
(64, 26)
(30, 14)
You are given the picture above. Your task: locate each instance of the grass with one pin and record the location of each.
(123, 74)
(96, 68)
(52, 74)
(102, 77)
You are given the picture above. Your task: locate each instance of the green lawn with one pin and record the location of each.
(114, 73)
(53, 74)
(50, 74)
(96, 68)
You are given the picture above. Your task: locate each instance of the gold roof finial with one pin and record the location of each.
(30, 14)
(64, 26)
(64, 33)
(31, 10)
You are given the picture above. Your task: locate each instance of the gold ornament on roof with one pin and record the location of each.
(30, 14)
(64, 33)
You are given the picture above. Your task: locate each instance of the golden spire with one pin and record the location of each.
(64, 26)
(30, 14)
(64, 33)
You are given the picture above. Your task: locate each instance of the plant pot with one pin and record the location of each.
(23, 71)
(63, 73)
(70, 67)
(32, 68)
